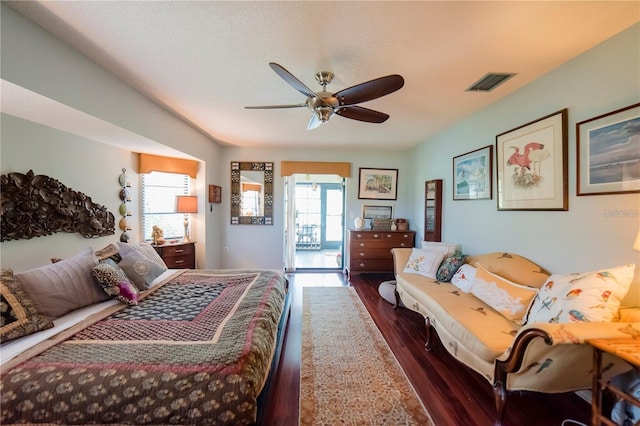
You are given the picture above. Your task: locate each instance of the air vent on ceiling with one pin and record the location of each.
(490, 82)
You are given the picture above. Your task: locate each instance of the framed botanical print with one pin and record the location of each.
(532, 165)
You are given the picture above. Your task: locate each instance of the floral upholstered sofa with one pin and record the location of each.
(509, 320)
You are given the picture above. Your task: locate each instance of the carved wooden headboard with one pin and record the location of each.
(37, 205)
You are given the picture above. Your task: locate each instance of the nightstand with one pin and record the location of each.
(179, 255)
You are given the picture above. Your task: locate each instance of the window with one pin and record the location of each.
(159, 192)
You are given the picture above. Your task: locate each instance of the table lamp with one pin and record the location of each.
(186, 204)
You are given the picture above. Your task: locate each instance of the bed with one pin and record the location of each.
(197, 348)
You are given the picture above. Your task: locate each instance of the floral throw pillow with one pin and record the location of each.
(115, 282)
(424, 262)
(464, 277)
(581, 297)
(449, 266)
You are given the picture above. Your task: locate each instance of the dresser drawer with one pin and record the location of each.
(177, 250)
(370, 253)
(373, 265)
(184, 261)
(178, 256)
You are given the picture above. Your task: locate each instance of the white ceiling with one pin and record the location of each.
(206, 60)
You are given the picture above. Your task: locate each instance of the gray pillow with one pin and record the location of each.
(140, 270)
(63, 286)
(144, 249)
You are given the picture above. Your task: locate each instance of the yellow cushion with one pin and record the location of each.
(509, 299)
(512, 267)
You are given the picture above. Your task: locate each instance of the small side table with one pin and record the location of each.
(179, 255)
(625, 349)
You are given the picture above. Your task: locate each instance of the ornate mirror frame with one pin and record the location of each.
(237, 167)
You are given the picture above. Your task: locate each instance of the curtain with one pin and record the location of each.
(288, 168)
(148, 163)
(290, 235)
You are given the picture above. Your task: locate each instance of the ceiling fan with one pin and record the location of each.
(324, 104)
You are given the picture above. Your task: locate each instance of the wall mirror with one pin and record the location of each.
(251, 193)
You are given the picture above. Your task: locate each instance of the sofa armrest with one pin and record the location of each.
(400, 258)
(579, 332)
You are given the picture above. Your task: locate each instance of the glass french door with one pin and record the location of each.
(317, 223)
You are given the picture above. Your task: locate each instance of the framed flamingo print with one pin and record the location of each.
(532, 165)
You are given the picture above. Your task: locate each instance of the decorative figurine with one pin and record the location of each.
(157, 235)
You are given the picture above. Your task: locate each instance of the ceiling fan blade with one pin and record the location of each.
(369, 90)
(362, 114)
(276, 106)
(314, 122)
(289, 78)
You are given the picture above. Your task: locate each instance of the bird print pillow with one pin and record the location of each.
(581, 297)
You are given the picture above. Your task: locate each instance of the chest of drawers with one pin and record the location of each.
(178, 256)
(370, 251)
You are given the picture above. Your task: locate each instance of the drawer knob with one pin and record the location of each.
(179, 250)
(179, 261)
(389, 235)
(376, 236)
(402, 244)
(362, 265)
(361, 244)
(361, 254)
(359, 235)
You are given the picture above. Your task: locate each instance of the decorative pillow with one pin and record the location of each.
(144, 249)
(115, 282)
(464, 277)
(63, 286)
(512, 267)
(109, 252)
(583, 297)
(18, 317)
(140, 270)
(511, 300)
(424, 262)
(447, 248)
(449, 266)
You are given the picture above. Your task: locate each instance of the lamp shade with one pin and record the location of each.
(186, 204)
(636, 245)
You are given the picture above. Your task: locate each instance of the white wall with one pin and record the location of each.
(81, 165)
(36, 61)
(582, 239)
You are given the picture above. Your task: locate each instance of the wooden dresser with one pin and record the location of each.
(178, 256)
(370, 251)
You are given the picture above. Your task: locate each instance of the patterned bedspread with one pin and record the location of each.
(196, 350)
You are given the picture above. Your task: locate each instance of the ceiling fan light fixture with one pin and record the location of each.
(323, 113)
(489, 82)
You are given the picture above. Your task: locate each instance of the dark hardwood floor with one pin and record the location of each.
(453, 393)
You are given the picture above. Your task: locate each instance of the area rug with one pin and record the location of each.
(349, 376)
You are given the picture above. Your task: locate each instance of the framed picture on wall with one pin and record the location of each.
(377, 212)
(378, 184)
(472, 175)
(532, 165)
(608, 152)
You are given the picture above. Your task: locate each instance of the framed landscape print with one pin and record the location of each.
(377, 212)
(378, 184)
(472, 174)
(532, 165)
(608, 152)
